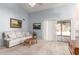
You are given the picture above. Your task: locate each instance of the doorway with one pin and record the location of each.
(63, 30)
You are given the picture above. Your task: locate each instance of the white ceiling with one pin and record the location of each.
(40, 6)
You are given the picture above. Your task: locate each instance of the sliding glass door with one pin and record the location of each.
(63, 30)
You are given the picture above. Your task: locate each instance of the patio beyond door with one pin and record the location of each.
(63, 30)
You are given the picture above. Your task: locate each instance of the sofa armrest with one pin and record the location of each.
(7, 39)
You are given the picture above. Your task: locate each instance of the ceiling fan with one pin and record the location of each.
(33, 4)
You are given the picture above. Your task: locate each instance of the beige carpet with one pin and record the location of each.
(41, 48)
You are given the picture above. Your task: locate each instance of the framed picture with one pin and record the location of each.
(15, 23)
(37, 26)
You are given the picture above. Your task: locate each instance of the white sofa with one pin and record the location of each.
(12, 38)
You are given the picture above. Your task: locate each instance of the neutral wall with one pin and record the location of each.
(65, 12)
(8, 11)
(49, 27)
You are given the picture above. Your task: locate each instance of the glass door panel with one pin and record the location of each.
(58, 29)
(63, 30)
(66, 29)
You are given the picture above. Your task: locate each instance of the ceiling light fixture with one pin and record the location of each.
(32, 4)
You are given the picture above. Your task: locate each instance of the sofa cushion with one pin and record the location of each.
(19, 34)
(27, 34)
(23, 33)
(10, 34)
